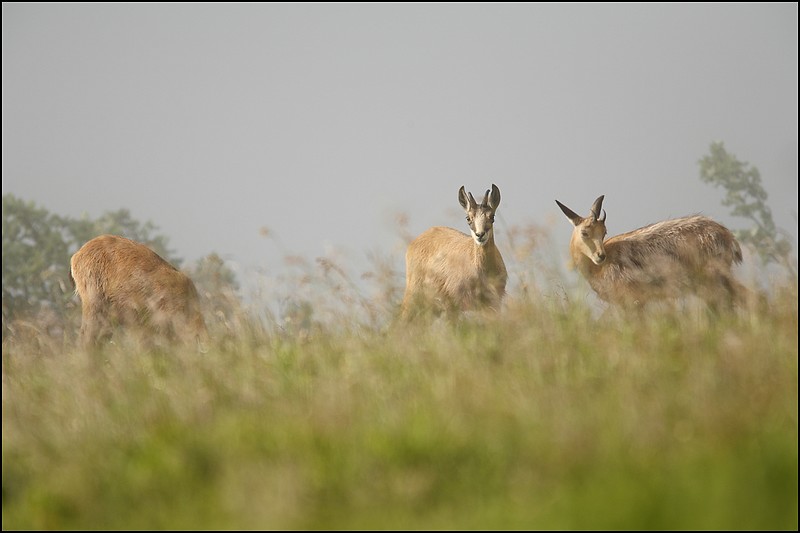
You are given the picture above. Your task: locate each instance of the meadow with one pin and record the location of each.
(545, 415)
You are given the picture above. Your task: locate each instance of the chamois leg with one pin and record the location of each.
(719, 291)
(94, 326)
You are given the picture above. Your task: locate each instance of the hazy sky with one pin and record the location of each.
(323, 121)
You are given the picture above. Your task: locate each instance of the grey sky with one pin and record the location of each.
(322, 121)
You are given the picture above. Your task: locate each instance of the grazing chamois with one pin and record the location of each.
(124, 283)
(662, 261)
(450, 271)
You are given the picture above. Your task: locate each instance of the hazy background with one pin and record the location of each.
(322, 122)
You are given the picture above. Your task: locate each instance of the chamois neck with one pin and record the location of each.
(483, 253)
(584, 265)
(581, 262)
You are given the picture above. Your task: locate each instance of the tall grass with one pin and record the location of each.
(543, 416)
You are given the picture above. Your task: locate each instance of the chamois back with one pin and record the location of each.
(124, 283)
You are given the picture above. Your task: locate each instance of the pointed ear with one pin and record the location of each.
(571, 215)
(597, 207)
(494, 197)
(462, 197)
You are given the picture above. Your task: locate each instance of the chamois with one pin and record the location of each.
(661, 261)
(123, 282)
(447, 270)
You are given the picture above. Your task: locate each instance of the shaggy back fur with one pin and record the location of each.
(665, 260)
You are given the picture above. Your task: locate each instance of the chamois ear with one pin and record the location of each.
(571, 215)
(463, 199)
(494, 197)
(597, 206)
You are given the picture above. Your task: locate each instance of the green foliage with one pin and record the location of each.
(37, 246)
(218, 288)
(748, 199)
(35, 260)
(212, 273)
(538, 418)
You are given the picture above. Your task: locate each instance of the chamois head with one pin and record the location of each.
(589, 232)
(480, 217)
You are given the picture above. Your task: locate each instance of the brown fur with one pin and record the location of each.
(661, 261)
(447, 270)
(123, 282)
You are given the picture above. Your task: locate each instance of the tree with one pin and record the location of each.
(216, 283)
(35, 261)
(749, 200)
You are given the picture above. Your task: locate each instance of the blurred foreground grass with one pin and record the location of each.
(541, 417)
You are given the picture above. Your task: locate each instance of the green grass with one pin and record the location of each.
(541, 417)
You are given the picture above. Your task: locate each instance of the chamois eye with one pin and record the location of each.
(469, 220)
(584, 233)
(491, 219)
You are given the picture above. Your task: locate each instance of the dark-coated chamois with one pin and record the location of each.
(662, 261)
